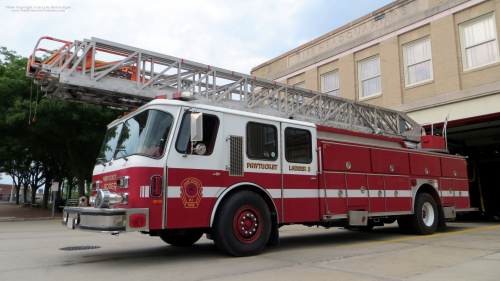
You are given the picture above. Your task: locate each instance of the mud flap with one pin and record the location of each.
(441, 220)
(274, 239)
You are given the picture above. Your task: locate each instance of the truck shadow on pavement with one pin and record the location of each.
(206, 250)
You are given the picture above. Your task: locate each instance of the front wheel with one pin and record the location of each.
(425, 219)
(242, 225)
(188, 239)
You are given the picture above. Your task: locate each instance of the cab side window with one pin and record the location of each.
(262, 141)
(210, 128)
(298, 146)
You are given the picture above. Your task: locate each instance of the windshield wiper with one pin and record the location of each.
(121, 150)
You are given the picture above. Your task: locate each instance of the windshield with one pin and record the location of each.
(109, 144)
(145, 134)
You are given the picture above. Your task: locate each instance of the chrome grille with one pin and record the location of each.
(236, 156)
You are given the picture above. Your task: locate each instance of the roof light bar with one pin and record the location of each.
(185, 96)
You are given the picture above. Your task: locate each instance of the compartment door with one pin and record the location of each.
(447, 196)
(425, 165)
(398, 194)
(461, 191)
(357, 191)
(336, 200)
(376, 193)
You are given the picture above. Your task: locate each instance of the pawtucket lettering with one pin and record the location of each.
(262, 166)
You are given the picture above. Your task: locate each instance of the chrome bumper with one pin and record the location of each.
(102, 220)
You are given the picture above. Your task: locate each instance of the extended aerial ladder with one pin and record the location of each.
(76, 72)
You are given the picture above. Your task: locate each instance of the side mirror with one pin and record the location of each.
(196, 126)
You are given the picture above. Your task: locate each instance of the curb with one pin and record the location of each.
(29, 219)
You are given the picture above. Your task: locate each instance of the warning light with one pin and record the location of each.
(185, 96)
(156, 183)
(138, 220)
(413, 182)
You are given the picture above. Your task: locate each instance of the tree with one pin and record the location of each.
(62, 136)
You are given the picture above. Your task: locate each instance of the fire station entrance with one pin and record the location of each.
(478, 138)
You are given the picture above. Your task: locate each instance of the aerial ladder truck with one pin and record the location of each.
(205, 150)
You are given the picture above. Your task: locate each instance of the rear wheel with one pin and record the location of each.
(188, 239)
(425, 219)
(242, 224)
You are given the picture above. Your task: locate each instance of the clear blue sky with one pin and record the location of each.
(233, 34)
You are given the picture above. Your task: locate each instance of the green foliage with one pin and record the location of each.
(64, 137)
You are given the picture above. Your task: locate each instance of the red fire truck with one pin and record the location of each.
(216, 152)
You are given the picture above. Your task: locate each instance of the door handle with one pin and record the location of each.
(313, 178)
(217, 174)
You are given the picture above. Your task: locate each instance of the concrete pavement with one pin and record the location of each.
(466, 251)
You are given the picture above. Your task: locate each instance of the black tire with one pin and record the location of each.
(425, 219)
(404, 225)
(188, 239)
(243, 209)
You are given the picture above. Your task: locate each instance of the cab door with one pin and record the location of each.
(194, 171)
(253, 155)
(300, 174)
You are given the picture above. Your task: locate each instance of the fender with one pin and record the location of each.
(229, 189)
(431, 186)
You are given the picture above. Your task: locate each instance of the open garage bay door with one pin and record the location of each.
(478, 138)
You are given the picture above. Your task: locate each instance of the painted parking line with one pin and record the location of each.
(386, 241)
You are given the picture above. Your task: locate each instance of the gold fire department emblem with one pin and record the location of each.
(191, 192)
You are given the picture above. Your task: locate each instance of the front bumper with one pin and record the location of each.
(102, 220)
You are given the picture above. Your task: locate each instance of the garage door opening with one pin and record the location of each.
(478, 138)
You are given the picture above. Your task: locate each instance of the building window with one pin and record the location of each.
(478, 38)
(418, 61)
(330, 83)
(369, 77)
(300, 85)
(210, 128)
(261, 141)
(298, 146)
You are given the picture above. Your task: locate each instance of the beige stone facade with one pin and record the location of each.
(454, 87)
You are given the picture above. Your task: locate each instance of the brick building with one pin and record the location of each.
(5, 192)
(429, 58)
